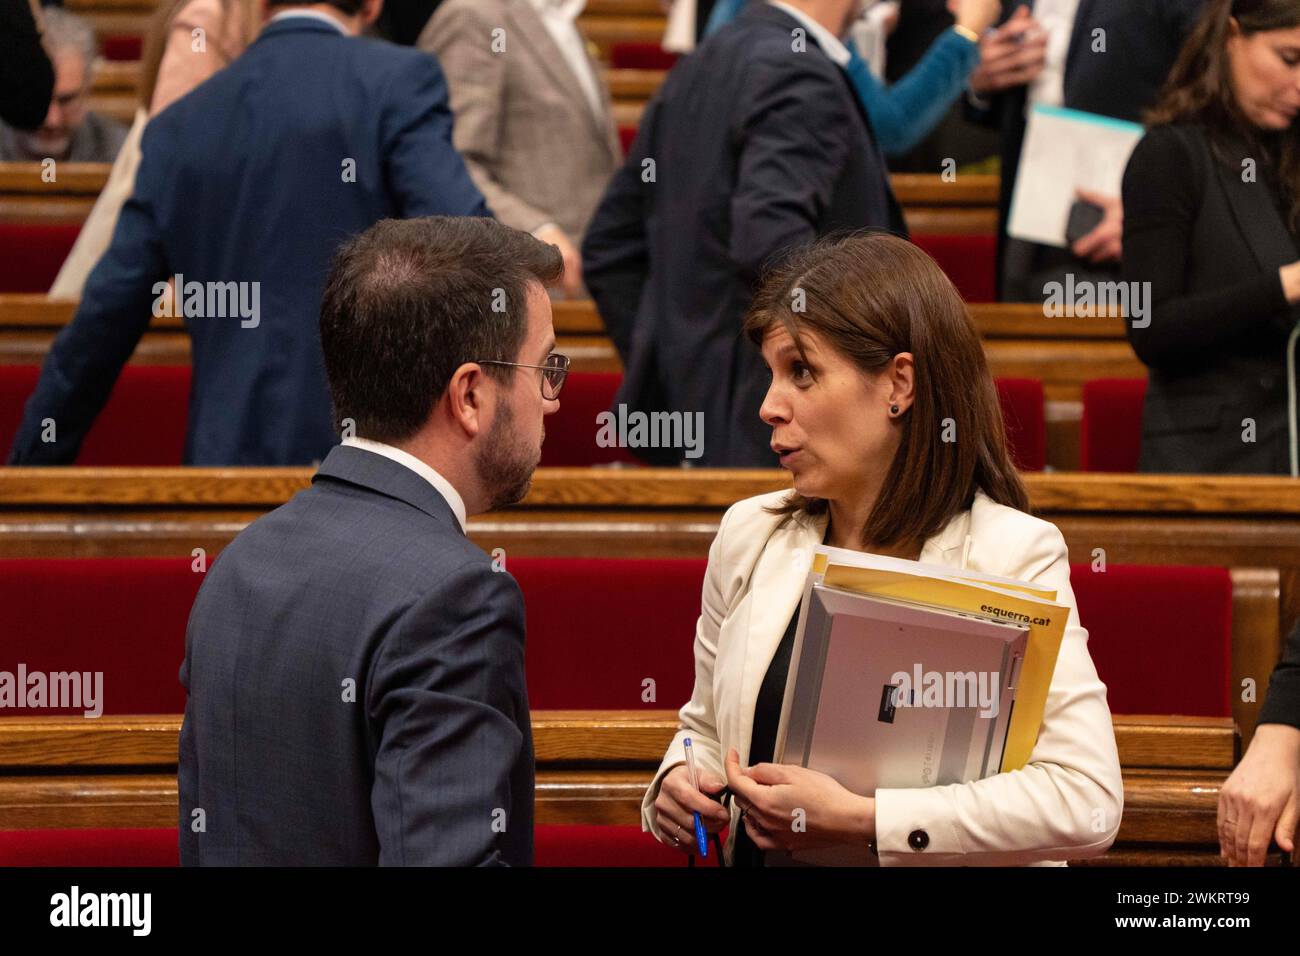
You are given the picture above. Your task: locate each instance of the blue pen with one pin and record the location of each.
(701, 838)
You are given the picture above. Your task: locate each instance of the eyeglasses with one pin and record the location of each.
(554, 372)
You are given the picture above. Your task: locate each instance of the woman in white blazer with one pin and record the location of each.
(882, 408)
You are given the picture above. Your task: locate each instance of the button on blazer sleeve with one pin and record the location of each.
(1067, 800)
(444, 692)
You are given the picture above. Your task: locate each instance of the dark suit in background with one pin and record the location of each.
(1143, 38)
(1211, 245)
(365, 577)
(243, 180)
(756, 149)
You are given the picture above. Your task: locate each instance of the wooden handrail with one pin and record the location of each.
(671, 488)
(577, 737)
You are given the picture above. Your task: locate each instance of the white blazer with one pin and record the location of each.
(1065, 803)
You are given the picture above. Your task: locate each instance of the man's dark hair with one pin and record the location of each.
(411, 300)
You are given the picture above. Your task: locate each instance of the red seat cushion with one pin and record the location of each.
(143, 422)
(1161, 637)
(558, 845)
(1024, 418)
(626, 137)
(90, 847)
(1110, 436)
(31, 254)
(968, 260)
(124, 617)
(122, 47)
(571, 432)
(599, 629)
(639, 55)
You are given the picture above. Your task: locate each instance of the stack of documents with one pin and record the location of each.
(910, 675)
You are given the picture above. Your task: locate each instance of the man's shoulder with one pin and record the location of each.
(378, 538)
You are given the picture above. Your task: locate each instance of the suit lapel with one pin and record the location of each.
(549, 56)
(1255, 214)
(1079, 38)
(776, 589)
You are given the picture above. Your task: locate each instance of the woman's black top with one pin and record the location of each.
(1208, 231)
(762, 742)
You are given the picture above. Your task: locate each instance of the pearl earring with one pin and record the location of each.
(893, 409)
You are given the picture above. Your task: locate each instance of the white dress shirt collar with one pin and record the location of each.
(829, 42)
(570, 8)
(313, 14)
(440, 484)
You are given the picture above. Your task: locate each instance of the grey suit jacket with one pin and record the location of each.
(356, 678)
(534, 147)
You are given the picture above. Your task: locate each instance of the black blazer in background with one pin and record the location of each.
(26, 75)
(1282, 703)
(1210, 244)
(365, 577)
(1143, 38)
(756, 149)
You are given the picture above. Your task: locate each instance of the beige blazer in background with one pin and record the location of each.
(532, 143)
(180, 70)
(1065, 803)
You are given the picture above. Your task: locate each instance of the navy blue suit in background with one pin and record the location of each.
(366, 577)
(758, 148)
(243, 180)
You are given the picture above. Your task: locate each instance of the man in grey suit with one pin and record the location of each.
(355, 665)
(533, 115)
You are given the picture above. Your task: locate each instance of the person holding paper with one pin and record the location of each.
(882, 407)
(1213, 227)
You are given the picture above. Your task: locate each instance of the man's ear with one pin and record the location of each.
(371, 10)
(469, 399)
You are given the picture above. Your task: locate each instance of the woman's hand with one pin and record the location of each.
(975, 15)
(1261, 797)
(794, 808)
(678, 801)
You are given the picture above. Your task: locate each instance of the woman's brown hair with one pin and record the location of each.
(1199, 90)
(871, 296)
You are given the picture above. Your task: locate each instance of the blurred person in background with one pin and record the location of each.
(69, 132)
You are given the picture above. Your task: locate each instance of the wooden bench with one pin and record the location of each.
(1248, 524)
(1019, 340)
(592, 768)
(968, 205)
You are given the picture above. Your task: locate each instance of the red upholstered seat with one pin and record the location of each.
(556, 846)
(1161, 637)
(143, 422)
(1024, 417)
(571, 432)
(1110, 437)
(626, 136)
(124, 617)
(598, 629)
(122, 47)
(633, 55)
(90, 847)
(32, 253)
(968, 260)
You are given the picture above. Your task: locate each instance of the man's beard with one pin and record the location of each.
(504, 466)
